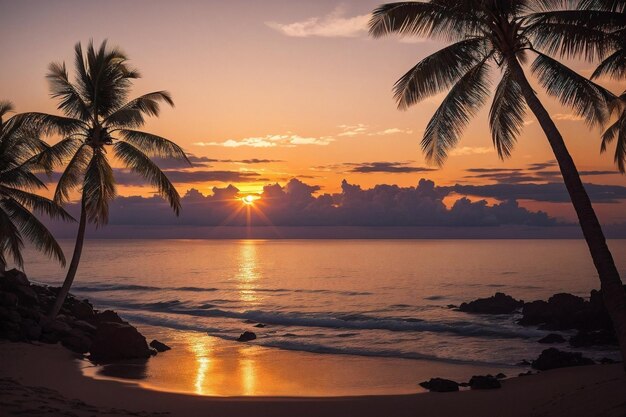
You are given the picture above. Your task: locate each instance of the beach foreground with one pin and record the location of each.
(47, 381)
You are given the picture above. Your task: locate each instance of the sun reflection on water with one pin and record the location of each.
(248, 272)
(201, 347)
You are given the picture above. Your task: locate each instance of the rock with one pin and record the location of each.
(82, 310)
(500, 303)
(525, 373)
(553, 358)
(77, 341)
(440, 385)
(57, 326)
(117, 341)
(484, 382)
(84, 326)
(552, 338)
(159, 346)
(8, 299)
(109, 316)
(500, 376)
(14, 278)
(246, 337)
(259, 325)
(566, 311)
(26, 295)
(30, 329)
(607, 361)
(593, 338)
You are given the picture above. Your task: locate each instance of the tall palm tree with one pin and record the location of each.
(99, 117)
(19, 161)
(504, 34)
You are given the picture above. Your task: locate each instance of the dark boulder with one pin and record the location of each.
(82, 310)
(551, 339)
(159, 346)
(553, 358)
(500, 303)
(500, 376)
(15, 278)
(8, 299)
(484, 382)
(77, 341)
(440, 385)
(117, 341)
(259, 325)
(246, 337)
(593, 338)
(109, 316)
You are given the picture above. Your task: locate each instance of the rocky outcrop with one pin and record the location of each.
(553, 358)
(159, 346)
(246, 336)
(78, 327)
(118, 341)
(440, 385)
(500, 303)
(593, 338)
(552, 338)
(484, 382)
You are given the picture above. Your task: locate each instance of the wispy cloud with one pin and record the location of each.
(567, 117)
(271, 141)
(290, 139)
(469, 150)
(334, 25)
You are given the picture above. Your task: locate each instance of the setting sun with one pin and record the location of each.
(249, 199)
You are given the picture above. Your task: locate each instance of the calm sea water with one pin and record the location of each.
(384, 298)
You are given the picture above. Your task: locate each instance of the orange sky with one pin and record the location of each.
(296, 82)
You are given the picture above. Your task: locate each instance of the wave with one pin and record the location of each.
(349, 321)
(133, 287)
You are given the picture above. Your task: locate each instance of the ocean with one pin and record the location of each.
(363, 299)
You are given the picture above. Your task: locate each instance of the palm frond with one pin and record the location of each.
(133, 113)
(49, 124)
(138, 162)
(11, 242)
(427, 19)
(506, 116)
(30, 227)
(153, 145)
(438, 71)
(447, 124)
(617, 131)
(37, 203)
(98, 188)
(613, 66)
(72, 176)
(5, 107)
(71, 102)
(586, 98)
(570, 41)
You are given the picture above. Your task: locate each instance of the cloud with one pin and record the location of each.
(567, 117)
(552, 192)
(271, 141)
(468, 150)
(333, 25)
(205, 162)
(389, 167)
(299, 204)
(290, 139)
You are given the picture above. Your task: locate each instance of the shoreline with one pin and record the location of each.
(580, 391)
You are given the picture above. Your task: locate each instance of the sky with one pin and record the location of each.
(295, 92)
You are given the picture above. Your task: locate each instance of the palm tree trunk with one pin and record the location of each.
(611, 286)
(71, 272)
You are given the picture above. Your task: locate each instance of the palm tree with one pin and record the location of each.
(504, 33)
(99, 117)
(19, 160)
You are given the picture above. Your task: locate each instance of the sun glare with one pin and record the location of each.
(249, 199)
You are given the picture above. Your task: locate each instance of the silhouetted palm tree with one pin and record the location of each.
(19, 160)
(503, 33)
(100, 117)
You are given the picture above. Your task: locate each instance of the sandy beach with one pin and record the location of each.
(45, 380)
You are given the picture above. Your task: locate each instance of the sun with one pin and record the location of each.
(250, 199)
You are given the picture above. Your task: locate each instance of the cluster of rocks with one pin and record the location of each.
(78, 327)
(553, 358)
(476, 382)
(561, 312)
